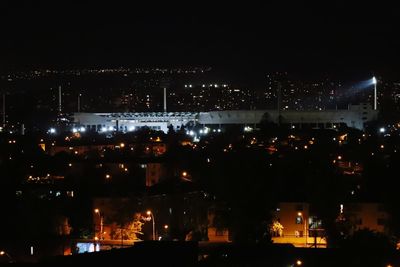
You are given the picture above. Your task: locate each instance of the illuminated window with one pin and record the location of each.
(299, 220)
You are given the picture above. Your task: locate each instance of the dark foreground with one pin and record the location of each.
(193, 254)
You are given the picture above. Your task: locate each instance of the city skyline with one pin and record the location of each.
(199, 134)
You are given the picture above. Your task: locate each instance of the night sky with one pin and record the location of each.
(334, 39)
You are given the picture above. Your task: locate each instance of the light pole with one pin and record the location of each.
(374, 82)
(149, 213)
(300, 214)
(97, 211)
(4, 253)
(79, 102)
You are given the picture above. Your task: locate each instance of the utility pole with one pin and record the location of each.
(79, 102)
(375, 97)
(165, 99)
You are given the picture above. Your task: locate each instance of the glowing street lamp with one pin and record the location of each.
(304, 220)
(97, 211)
(4, 253)
(149, 213)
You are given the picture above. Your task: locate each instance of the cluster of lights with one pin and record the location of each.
(248, 129)
(204, 131)
(207, 85)
(105, 129)
(80, 129)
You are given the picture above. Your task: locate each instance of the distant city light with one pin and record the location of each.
(248, 129)
(382, 130)
(74, 130)
(82, 129)
(52, 130)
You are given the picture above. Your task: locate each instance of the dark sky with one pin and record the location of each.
(301, 38)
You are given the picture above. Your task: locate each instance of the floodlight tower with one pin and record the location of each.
(374, 82)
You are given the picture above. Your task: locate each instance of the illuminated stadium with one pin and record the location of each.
(356, 116)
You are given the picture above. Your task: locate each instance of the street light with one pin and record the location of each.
(4, 253)
(300, 214)
(149, 213)
(97, 211)
(374, 82)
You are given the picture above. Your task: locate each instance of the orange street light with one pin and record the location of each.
(4, 253)
(149, 213)
(97, 211)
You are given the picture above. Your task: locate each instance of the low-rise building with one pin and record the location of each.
(293, 223)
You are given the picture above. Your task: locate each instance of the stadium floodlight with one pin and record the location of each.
(374, 82)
